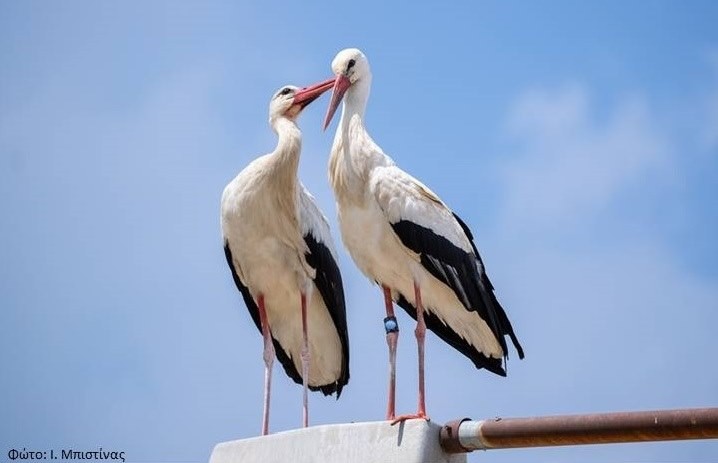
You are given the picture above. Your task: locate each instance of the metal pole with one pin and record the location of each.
(464, 435)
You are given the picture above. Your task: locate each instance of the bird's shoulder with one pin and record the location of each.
(253, 170)
(250, 177)
(404, 198)
(391, 183)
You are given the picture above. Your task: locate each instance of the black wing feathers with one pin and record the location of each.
(506, 327)
(464, 273)
(328, 281)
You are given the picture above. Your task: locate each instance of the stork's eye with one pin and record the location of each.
(285, 91)
(351, 63)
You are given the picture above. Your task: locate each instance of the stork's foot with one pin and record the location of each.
(414, 416)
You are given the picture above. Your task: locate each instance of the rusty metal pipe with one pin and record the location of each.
(604, 428)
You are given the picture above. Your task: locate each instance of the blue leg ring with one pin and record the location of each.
(391, 325)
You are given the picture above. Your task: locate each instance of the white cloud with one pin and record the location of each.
(608, 321)
(570, 164)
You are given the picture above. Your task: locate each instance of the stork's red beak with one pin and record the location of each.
(341, 84)
(308, 94)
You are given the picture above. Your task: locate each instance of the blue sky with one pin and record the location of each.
(580, 142)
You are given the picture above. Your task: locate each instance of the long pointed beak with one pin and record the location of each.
(341, 84)
(306, 95)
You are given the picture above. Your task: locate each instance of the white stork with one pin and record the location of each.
(280, 251)
(404, 238)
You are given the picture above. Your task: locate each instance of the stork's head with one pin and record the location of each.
(289, 101)
(349, 67)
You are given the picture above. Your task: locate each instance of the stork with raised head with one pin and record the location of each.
(283, 261)
(408, 241)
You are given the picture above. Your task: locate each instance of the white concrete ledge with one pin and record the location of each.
(414, 441)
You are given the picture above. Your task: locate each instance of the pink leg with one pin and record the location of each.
(268, 362)
(392, 336)
(420, 337)
(305, 362)
(420, 333)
